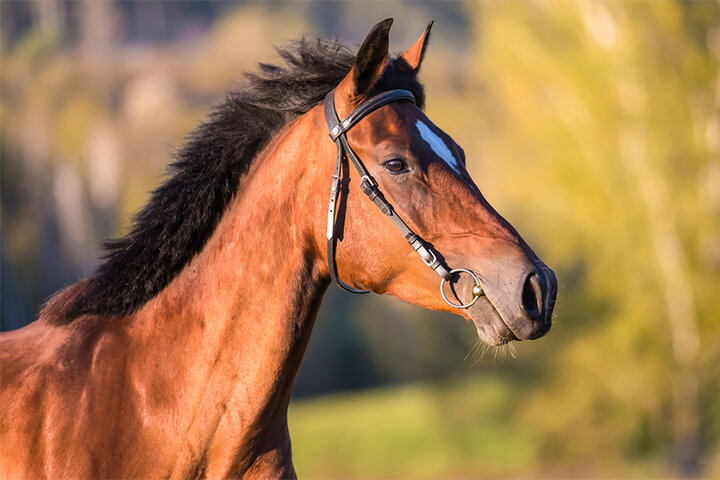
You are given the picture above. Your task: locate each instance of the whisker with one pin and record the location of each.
(479, 350)
(485, 349)
(474, 345)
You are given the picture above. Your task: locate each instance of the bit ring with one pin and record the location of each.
(477, 289)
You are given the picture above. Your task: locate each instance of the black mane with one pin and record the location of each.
(182, 213)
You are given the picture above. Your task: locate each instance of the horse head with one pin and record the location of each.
(508, 292)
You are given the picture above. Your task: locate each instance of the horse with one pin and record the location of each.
(177, 357)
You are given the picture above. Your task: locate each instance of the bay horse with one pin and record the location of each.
(178, 356)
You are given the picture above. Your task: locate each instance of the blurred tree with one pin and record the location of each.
(603, 106)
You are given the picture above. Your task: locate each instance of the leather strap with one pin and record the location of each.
(368, 185)
(338, 127)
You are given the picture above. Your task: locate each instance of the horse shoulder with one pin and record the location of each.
(68, 400)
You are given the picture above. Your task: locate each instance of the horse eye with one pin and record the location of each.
(395, 165)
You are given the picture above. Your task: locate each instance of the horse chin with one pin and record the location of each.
(489, 324)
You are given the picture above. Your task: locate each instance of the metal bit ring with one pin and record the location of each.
(477, 289)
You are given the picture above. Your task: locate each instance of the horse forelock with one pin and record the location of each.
(182, 213)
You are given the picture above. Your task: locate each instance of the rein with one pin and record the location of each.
(369, 186)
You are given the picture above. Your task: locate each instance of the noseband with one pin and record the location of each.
(370, 188)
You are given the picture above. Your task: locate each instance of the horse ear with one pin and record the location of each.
(372, 57)
(414, 55)
(369, 63)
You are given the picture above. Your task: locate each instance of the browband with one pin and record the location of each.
(338, 128)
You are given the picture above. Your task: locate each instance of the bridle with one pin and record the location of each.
(370, 188)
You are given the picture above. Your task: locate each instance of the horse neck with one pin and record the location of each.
(232, 328)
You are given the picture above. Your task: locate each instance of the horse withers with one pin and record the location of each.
(178, 356)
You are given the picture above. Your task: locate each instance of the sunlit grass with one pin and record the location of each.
(426, 430)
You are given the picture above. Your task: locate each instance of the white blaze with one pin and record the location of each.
(438, 146)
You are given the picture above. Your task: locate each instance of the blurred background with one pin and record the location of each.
(593, 127)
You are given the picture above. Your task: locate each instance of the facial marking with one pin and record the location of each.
(438, 146)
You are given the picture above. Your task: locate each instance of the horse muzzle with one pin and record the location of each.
(506, 300)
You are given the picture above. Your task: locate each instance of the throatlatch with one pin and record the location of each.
(369, 186)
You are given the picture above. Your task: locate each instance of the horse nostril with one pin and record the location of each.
(532, 296)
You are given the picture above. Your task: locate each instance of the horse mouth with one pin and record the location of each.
(490, 326)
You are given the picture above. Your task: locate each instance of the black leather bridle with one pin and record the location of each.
(369, 186)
